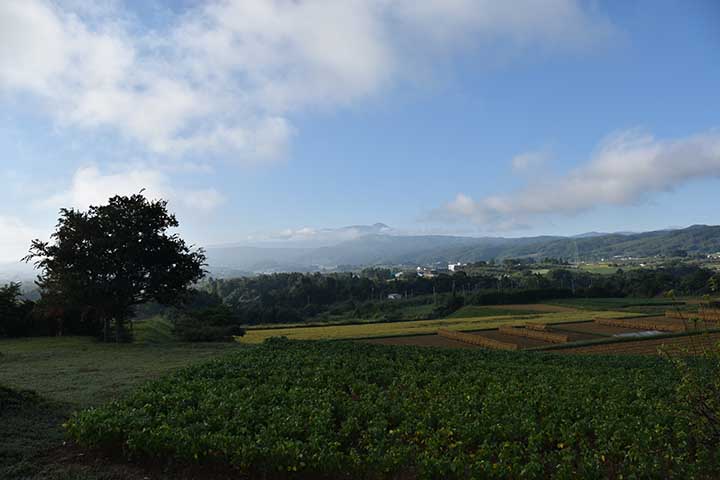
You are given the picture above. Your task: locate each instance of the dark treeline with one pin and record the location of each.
(219, 306)
(297, 297)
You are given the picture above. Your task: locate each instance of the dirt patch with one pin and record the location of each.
(591, 329)
(522, 342)
(421, 341)
(538, 307)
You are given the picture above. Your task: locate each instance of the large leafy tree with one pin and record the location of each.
(112, 257)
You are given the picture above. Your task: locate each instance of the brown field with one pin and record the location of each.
(663, 324)
(508, 337)
(544, 336)
(521, 342)
(420, 341)
(591, 330)
(538, 307)
(689, 345)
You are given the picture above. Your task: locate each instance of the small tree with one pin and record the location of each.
(113, 257)
(14, 312)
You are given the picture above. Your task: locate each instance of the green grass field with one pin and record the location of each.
(155, 330)
(69, 373)
(340, 332)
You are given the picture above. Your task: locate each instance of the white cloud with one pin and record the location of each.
(15, 238)
(226, 75)
(90, 186)
(626, 168)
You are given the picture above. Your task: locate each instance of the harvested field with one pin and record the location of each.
(686, 345)
(709, 315)
(539, 307)
(545, 336)
(540, 327)
(521, 342)
(592, 329)
(480, 340)
(662, 324)
(405, 328)
(421, 341)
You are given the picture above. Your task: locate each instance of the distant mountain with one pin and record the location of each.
(385, 249)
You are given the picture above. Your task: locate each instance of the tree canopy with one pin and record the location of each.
(112, 257)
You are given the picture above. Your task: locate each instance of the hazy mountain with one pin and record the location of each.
(383, 249)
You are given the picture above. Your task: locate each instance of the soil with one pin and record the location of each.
(421, 341)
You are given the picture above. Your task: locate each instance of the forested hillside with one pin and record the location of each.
(421, 250)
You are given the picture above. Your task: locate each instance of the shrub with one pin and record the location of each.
(208, 324)
(15, 314)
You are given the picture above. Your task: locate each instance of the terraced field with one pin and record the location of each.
(606, 336)
(420, 327)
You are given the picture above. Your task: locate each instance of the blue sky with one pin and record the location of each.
(264, 119)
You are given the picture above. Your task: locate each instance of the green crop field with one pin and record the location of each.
(337, 332)
(342, 410)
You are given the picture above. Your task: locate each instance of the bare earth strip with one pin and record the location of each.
(421, 341)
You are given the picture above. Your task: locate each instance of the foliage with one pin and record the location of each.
(361, 411)
(700, 394)
(207, 324)
(15, 314)
(204, 318)
(113, 257)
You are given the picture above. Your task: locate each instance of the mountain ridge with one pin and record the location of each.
(386, 249)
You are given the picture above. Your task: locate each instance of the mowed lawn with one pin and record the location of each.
(83, 372)
(419, 327)
(70, 373)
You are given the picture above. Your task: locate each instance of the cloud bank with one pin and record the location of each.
(626, 168)
(90, 186)
(226, 76)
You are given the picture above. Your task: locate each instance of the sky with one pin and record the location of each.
(282, 120)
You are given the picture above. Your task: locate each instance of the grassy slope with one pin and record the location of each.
(71, 373)
(420, 326)
(155, 329)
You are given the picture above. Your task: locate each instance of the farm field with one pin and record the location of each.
(617, 303)
(564, 334)
(348, 332)
(69, 373)
(349, 410)
(473, 311)
(685, 345)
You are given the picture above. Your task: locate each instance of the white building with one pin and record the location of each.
(456, 267)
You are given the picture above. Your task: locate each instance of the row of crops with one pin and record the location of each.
(351, 410)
